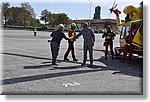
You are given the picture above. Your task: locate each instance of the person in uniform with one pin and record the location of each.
(109, 37)
(89, 39)
(35, 31)
(57, 36)
(129, 47)
(71, 34)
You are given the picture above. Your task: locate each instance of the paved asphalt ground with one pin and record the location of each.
(27, 68)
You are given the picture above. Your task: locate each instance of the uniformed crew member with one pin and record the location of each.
(109, 37)
(57, 36)
(71, 34)
(129, 47)
(89, 39)
(35, 31)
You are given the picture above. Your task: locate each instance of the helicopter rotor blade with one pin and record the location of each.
(115, 6)
(112, 8)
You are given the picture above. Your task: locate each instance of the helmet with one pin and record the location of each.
(108, 26)
(73, 25)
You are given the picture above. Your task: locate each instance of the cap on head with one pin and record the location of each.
(61, 26)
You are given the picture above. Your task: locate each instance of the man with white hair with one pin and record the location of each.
(57, 35)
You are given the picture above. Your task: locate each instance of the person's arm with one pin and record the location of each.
(104, 34)
(114, 34)
(78, 35)
(64, 36)
(93, 35)
(51, 34)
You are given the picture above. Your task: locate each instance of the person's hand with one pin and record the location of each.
(72, 38)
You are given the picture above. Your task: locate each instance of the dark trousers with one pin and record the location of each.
(54, 50)
(109, 43)
(127, 49)
(35, 33)
(70, 48)
(90, 49)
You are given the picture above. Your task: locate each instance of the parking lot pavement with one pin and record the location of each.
(27, 68)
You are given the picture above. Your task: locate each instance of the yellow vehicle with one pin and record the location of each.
(133, 25)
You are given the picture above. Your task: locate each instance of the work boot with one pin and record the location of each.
(55, 64)
(66, 59)
(91, 65)
(75, 59)
(83, 64)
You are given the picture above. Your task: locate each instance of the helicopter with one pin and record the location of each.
(133, 23)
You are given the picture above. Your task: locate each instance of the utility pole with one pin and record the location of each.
(90, 11)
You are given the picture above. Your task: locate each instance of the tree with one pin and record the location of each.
(44, 15)
(27, 13)
(62, 18)
(6, 13)
(38, 22)
(15, 16)
(50, 18)
(53, 18)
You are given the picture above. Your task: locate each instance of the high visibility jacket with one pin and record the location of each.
(71, 34)
(35, 29)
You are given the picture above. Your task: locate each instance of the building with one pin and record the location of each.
(97, 14)
(96, 24)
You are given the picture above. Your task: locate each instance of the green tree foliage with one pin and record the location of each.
(25, 16)
(53, 18)
(6, 12)
(44, 16)
(62, 18)
(27, 13)
(15, 16)
(18, 16)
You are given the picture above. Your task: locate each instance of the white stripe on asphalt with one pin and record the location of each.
(71, 84)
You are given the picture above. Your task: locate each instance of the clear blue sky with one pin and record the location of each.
(76, 9)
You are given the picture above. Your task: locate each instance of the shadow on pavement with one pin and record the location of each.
(37, 66)
(45, 76)
(29, 56)
(134, 69)
(115, 65)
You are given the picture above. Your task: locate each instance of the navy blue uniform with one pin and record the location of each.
(57, 36)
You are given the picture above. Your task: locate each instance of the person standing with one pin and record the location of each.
(35, 31)
(109, 37)
(71, 34)
(89, 39)
(57, 36)
(129, 47)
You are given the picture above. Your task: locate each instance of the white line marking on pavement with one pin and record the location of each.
(71, 84)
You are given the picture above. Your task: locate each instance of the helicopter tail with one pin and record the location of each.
(117, 12)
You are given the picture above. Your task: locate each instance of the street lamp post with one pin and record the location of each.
(90, 11)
